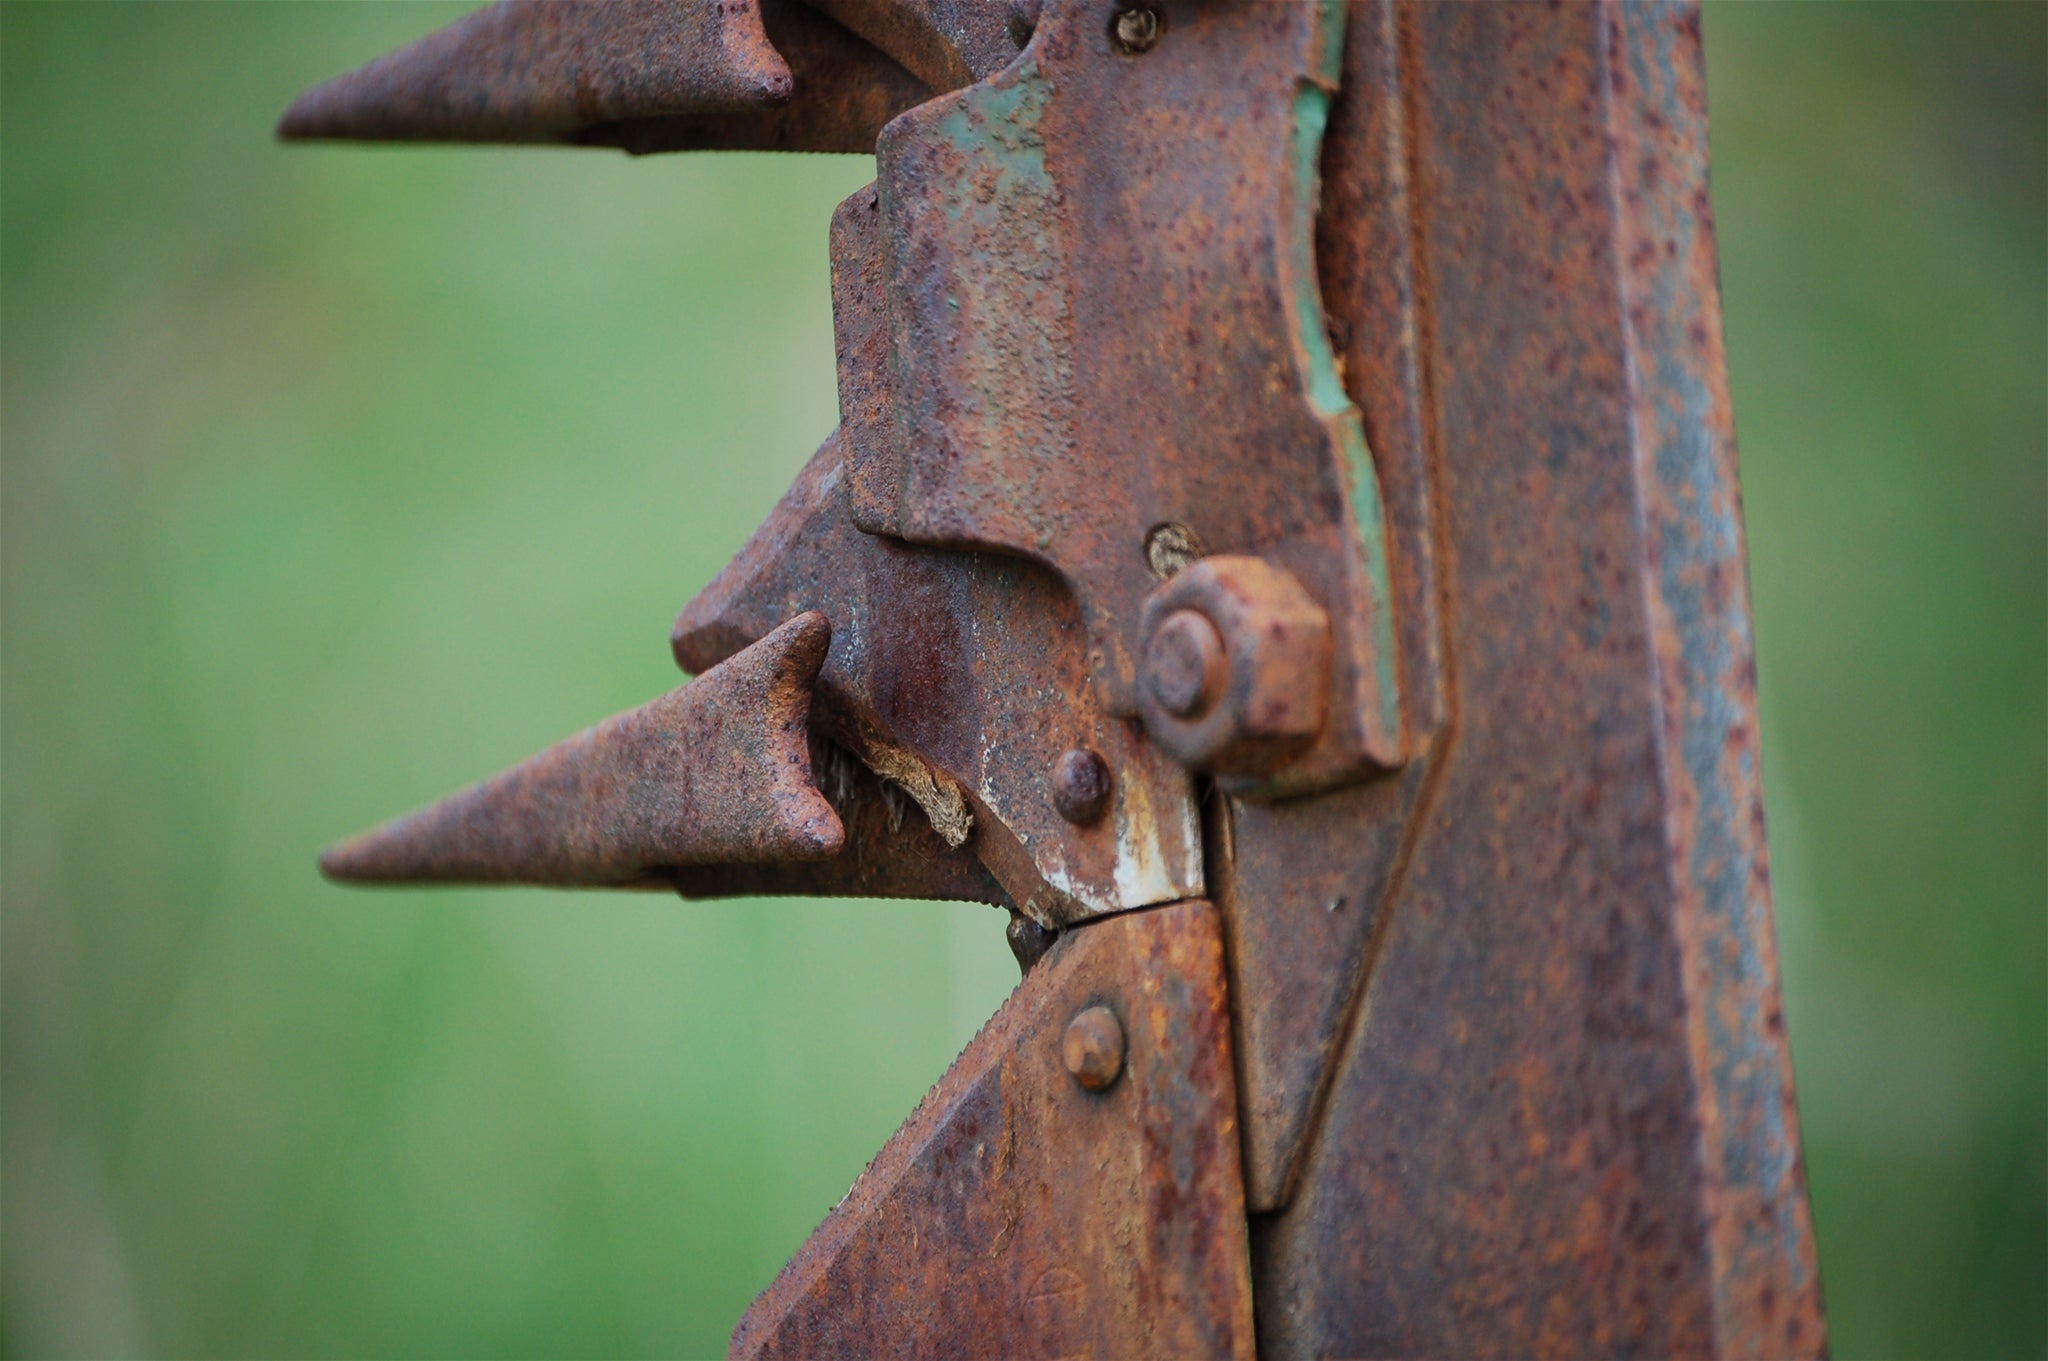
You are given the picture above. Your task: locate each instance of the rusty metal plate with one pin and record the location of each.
(962, 677)
(1021, 1213)
(1102, 316)
(1302, 885)
(714, 772)
(1562, 1122)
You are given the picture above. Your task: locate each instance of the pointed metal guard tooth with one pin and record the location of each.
(715, 772)
(543, 70)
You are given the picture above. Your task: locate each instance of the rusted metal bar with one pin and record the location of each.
(538, 70)
(845, 91)
(713, 772)
(1069, 1188)
(1560, 1123)
(643, 75)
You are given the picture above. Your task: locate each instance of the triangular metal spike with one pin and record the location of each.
(544, 70)
(715, 772)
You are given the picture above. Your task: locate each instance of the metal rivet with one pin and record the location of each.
(1184, 664)
(1135, 30)
(1080, 786)
(1093, 1048)
(1170, 547)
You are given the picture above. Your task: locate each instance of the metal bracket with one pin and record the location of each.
(1284, 464)
(1080, 322)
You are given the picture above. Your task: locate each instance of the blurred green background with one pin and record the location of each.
(331, 479)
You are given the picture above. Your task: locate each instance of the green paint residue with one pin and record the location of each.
(1326, 390)
(1330, 61)
(1000, 121)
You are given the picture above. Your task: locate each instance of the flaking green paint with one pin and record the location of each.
(1325, 388)
(999, 121)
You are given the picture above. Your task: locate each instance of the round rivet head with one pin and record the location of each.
(1170, 547)
(1093, 1048)
(1080, 787)
(1135, 30)
(1184, 664)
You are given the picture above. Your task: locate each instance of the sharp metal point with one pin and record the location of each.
(714, 772)
(546, 70)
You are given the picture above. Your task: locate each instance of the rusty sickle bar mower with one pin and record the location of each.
(1281, 544)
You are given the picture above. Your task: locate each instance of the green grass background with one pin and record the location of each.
(331, 479)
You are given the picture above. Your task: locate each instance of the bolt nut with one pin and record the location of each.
(1081, 787)
(1093, 1048)
(1234, 677)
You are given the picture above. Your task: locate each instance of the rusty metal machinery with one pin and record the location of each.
(1282, 545)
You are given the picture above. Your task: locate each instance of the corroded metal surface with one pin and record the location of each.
(1302, 885)
(1507, 1049)
(1562, 1120)
(1764, 1284)
(717, 771)
(964, 678)
(1094, 311)
(1019, 1213)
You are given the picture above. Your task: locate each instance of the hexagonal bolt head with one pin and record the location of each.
(1235, 673)
(1093, 1048)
